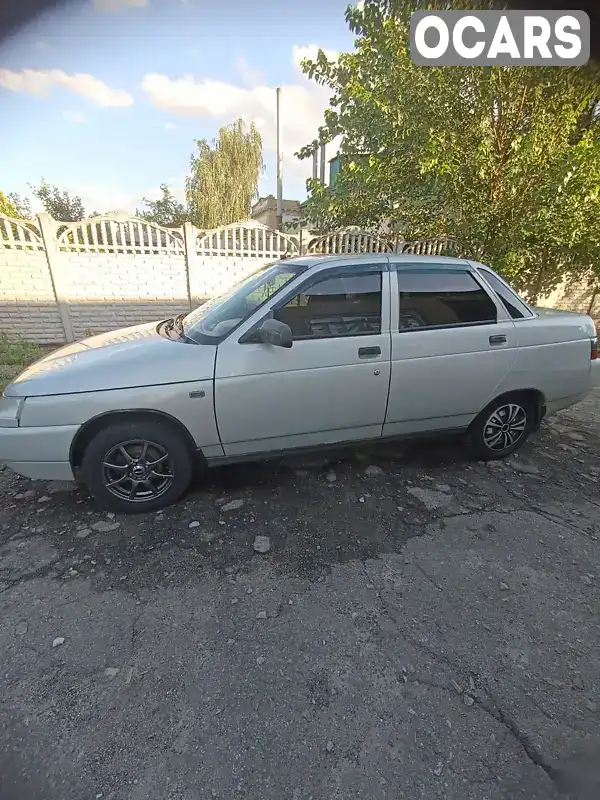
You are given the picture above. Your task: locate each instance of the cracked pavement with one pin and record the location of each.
(422, 627)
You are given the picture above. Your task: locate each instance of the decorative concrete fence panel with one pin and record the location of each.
(116, 273)
(351, 242)
(62, 281)
(224, 256)
(436, 246)
(28, 306)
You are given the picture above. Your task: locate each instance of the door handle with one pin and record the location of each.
(369, 352)
(498, 339)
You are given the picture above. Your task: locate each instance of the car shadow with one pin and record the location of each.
(423, 453)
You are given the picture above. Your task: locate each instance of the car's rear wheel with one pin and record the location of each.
(137, 467)
(502, 427)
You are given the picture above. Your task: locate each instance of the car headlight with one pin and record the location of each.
(10, 411)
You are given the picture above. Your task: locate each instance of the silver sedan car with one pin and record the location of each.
(305, 353)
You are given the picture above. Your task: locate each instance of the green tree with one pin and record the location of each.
(166, 211)
(7, 206)
(59, 203)
(505, 159)
(224, 176)
(13, 205)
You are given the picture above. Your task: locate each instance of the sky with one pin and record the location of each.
(105, 97)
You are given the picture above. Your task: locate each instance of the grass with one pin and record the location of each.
(15, 355)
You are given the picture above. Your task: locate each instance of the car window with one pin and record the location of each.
(348, 305)
(509, 299)
(442, 298)
(217, 317)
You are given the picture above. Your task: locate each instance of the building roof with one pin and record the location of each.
(271, 201)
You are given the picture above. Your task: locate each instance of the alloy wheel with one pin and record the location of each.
(137, 470)
(504, 427)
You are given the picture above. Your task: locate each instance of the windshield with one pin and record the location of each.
(219, 316)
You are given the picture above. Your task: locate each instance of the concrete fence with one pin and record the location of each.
(61, 281)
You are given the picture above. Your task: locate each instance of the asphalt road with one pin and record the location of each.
(421, 627)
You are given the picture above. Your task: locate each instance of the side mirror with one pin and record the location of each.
(274, 332)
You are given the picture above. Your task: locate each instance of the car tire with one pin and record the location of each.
(501, 428)
(147, 456)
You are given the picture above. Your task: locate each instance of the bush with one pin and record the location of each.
(15, 351)
(15, 355)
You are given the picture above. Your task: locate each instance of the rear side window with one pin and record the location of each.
(509, 299)
(442, 299)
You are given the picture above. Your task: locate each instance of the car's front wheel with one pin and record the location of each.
(502, 427)
(137, 466)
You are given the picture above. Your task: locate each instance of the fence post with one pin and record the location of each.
(190, 234)
(595, 292)
(48, 227)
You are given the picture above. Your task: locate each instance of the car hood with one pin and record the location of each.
(123, 359)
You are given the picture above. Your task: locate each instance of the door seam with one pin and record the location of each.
(389, 316)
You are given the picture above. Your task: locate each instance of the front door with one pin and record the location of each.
(330, 386)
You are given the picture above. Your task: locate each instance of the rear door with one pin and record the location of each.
(453, 344)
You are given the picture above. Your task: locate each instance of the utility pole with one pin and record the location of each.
(279, 163)
(322, 165)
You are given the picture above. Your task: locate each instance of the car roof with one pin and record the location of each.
(398, 260)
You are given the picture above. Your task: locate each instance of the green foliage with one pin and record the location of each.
(166, 211)
(505, 159)
(15, 206)
(224, 176)
(8, 207)
(14, 351)
(58, 203)
(15, 355)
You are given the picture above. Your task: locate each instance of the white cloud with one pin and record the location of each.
(74, 116)
(105, 198)
(118, 5)
(303, 103)
(250, 77)
(176, 185)
(41, 82)
(302, 51)
(170, 126)
(178, 193)
(97, 197)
